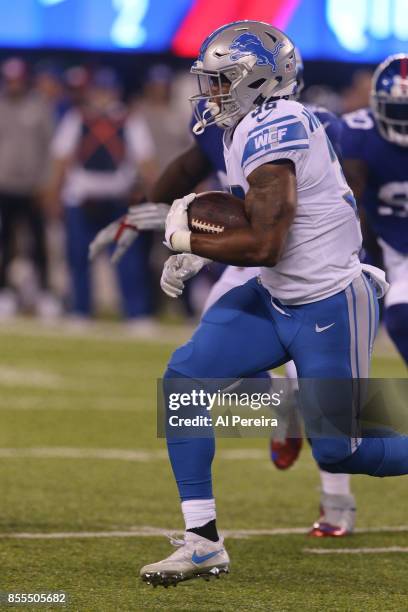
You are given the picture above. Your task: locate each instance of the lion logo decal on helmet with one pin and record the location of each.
(250, 44)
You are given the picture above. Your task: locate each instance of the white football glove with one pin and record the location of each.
(148, 216)
(178, 269)
(143, 217)
(105, 237)
(177, 232)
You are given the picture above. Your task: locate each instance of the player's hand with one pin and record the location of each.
(123, 233)
(141, 217)
(178, 269)
(104, 238)
(148, 216)
(119, 232)
(177, 232)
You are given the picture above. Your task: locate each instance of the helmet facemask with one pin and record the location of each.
(392, 118)
(218, 93)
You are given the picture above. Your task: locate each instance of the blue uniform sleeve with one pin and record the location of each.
(333, 126)
(210, 143)
(355, 127)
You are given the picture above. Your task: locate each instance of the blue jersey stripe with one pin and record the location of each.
(353, 293)
(369, 295)
(273, 138)
(292, 148)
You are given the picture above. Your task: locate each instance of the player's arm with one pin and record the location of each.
(181, 176)
(355, 171)
(353, 143)
(270, 204)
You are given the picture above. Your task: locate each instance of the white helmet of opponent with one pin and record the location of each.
(239, 66)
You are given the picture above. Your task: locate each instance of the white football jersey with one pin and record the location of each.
(320, 257)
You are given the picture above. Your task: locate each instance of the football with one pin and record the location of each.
(212, 212)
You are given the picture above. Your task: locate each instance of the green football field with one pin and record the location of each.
(87, 493)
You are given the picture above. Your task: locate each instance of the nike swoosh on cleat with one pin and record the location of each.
(322, 329)
(196, 559)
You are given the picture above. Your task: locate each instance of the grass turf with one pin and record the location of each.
(87, 393)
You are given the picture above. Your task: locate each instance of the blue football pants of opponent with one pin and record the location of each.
(246, 332)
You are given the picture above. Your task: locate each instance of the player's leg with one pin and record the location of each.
(337, 503)
(335, 343)
(287, 441)
(135, 280)
(232, 276)
(337, 507)
(79, 236)
(36, 223)
(283, 451)
(236, 338)
(396, 299)
(9, 213)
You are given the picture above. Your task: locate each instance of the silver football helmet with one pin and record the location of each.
(239, 66)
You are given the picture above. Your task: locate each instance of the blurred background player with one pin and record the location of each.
(26, 128)
(76, 80)
(99, 153)
(337, 503)
(49, 84)
(163, 115)
(375, 151)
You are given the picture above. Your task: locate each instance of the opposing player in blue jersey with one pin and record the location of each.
(375, 149)
(314, 302)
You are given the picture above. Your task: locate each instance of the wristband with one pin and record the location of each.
(181, 241)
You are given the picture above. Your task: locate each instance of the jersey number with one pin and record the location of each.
(359, 120)
(266, 108)
(394, 198)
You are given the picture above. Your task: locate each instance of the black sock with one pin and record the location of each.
(208, 531)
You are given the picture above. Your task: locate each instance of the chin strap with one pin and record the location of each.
(209, 113)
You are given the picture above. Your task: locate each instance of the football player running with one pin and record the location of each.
(337, 503)
(375, 148)
(314, 301)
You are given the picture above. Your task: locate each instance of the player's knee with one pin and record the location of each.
(182, 362)
(330, 451)
(195, 359)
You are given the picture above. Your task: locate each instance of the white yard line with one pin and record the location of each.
(64, 452)
(356, 551)
(81, 453)
(65, 403)
(97, 330)
(26, 377)
(238, 534)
